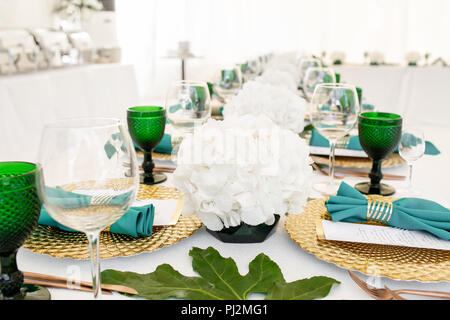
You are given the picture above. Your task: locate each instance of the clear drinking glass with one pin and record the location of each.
(334, 110)
(230, 82)
(315, 76)
(305, 64)
(251, 69)
(88, 182)
(411, 148)
(188, 105)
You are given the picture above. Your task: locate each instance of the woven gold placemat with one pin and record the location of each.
(63, 244)
(395, 262)
(353, 162)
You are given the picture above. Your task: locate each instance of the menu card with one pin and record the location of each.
(325, 151)
(365, 233)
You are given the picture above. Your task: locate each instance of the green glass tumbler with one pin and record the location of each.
(146, 125)
(20, 206)
(379, 134)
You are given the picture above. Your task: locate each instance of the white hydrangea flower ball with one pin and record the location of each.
(280, 104)
(244, 169)
(337, 57)
(376, 57)
(279, 78)
(413, 57)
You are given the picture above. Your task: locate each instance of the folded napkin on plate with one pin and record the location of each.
(165, 145)
(353, 143)
(349, 205)
(137, 221)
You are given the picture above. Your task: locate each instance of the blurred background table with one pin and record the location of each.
(419, 94)
(28, 101)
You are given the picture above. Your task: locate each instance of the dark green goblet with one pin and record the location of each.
(20, 206)
(379, 134)
(146, 126)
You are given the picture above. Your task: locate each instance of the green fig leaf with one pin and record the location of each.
(305, 289)
(219, 278)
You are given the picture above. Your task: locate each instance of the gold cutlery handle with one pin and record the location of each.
(63, 281)
(60, 285)
(435, 294)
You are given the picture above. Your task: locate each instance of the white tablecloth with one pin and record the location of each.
(419, 94)
(28, 101)
(431, 176)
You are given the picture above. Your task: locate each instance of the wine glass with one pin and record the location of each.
(188, 105)
(251, 69)
(379, 134)
(230, 82)
(20, 206)
(305, 64)
(411, 148)
(334, 109)
(90, 177)
(315, 76)
(146, 125)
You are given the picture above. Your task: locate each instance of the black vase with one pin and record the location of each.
(245, 233)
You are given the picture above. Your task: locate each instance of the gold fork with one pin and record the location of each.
(389, 294)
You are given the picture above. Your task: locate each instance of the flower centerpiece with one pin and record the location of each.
(286, 67)
(376, 58)
(279, 78)
(75, 12)
(241, 174)
(280, 104)
(412, 58)
(337, 57)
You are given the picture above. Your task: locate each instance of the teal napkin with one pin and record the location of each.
(349, 205)
(137, 221)
(165, 145)
(320, 141)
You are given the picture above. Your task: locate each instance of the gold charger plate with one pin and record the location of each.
(395, 262)
(63, 244)
(353, 162)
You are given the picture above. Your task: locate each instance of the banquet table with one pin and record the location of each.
(430, 176)
(29, 101)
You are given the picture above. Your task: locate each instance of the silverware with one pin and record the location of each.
(60, 282)
(389, 294)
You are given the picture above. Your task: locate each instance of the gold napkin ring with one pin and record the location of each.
(379, 211)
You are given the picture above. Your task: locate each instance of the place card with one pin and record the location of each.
(384, 235)
(167, 212)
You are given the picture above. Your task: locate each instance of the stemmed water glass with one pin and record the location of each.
(315, 76)
(90, 177)
(334, 110)
(230, 82)
(20, 205)
(251, 69)
(306, 63)
(379, 134)
(411, 148)
(146, 125)
(188, 105)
